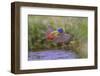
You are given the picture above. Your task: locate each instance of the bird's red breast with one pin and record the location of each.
(50, 36)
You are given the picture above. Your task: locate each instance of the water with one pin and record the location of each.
(52, 55)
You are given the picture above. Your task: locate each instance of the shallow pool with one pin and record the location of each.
(52, 55)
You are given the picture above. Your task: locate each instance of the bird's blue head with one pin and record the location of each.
(60, 30)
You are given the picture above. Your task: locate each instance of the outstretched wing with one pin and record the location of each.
(63, 38)
(49, 30)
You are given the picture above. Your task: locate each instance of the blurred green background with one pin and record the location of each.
(76, 26)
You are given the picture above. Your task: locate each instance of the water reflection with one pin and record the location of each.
(52, 55)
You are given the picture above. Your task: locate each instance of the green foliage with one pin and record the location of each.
(76, 26)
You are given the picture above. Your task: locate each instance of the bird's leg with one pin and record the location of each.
(62, 45)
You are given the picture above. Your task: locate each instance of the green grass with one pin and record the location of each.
(76, 26)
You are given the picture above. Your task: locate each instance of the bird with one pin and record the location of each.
(57, 36)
